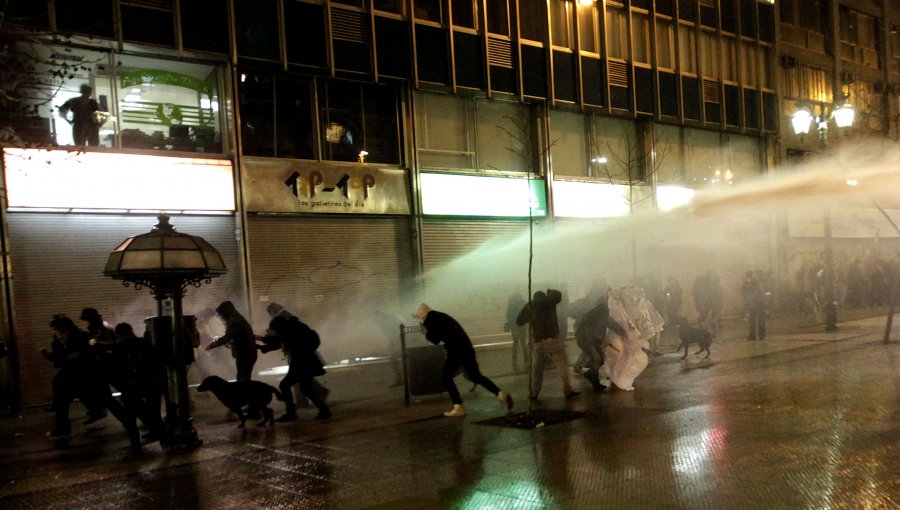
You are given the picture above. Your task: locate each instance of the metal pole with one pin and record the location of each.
(890, 318)
(404, 361)
(831, 318)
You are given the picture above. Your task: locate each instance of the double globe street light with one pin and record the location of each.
(842, 113)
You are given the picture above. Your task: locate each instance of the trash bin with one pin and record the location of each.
(424, 366)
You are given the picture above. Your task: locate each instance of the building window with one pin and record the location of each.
(687, 49)
(569, 154)
(807, 83)
(616, 32)
(859, 38)
(463, 13)
(765, 66)
(806, 14)
(80, 97)
(153, 24)
(640, 26)
(429, 10)
(665, 44)
(533, 20)
(497, 17)
(749, 63)
(392, 6)
(444, 131)
(357, 118)
(278, 118)
(729, 59)
(562, 23)
(256, 29)
(587, 27)
(505, 136)
(709, 55)
(616, 155)
(670, 168)
(462, 133)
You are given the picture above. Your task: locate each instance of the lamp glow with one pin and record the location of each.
(801, 121)
(844, 115)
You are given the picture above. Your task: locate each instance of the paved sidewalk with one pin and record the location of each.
(803, 419)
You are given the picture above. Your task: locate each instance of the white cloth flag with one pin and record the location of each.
(625, 357)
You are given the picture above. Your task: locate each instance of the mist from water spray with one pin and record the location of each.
(728, 229)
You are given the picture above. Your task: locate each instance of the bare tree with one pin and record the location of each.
(637, 159)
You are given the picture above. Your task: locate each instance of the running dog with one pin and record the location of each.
(691, 335)
(255, 395)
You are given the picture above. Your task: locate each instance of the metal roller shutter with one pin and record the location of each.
(333, 272)
(57, 263)
(479, 305)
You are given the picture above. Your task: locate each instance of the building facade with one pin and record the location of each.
(370, 147)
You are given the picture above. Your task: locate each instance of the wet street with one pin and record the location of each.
(801, 420)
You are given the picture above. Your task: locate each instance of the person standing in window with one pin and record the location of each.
(85, 125)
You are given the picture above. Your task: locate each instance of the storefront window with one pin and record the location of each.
(569, 152)
(168, 105)
(100, 99)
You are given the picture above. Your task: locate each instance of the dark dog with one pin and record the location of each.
(255, 395)
(691, 335)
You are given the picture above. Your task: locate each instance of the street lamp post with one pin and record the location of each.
(167, 262)
(843, 114)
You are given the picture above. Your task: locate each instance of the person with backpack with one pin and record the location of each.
(299, 343)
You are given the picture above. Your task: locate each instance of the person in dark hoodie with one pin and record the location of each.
(590, 333)
(541, 315)
(299, 342)
(276, 310)
(79, 376)
(441, 328)
(239, 336)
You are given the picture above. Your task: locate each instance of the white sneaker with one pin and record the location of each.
(505, 398)
(458, 410)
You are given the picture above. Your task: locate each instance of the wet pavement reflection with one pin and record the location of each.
(799, 421)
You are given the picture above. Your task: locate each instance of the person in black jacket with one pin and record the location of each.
(239, 336)
(441, 328)
(79, 376)
(540, 313)
(590, 333)
(138, 378)
(299, 342)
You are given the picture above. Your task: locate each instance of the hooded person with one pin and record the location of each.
(442, 328)
(239, 336)
(299, 342)
(541, 315)
(276, 310)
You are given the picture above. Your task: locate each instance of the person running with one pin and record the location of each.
(442, 328)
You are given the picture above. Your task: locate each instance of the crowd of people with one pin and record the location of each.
(615, 329)
(96, 358)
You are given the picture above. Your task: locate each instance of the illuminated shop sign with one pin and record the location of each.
(466, 195)
(573, 199)
(98, 181)
(290, 186)
(670, 197)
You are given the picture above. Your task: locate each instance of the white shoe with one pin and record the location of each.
(505, 398)
(458, 410)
